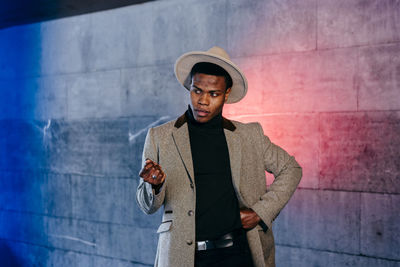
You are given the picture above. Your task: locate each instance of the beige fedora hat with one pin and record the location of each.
(218, 56)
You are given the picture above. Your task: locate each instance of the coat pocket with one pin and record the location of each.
(164, 227)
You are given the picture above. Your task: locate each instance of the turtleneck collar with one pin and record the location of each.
(214, 123)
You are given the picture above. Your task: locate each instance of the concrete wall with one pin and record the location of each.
(78, 94)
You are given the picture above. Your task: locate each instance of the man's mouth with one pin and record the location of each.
(202, 112)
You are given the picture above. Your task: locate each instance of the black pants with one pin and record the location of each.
(236, 256)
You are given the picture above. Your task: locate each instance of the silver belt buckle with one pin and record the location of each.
(201, 245)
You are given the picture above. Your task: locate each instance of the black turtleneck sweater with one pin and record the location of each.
(217, 207)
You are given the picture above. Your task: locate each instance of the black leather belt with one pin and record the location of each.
(224, 241)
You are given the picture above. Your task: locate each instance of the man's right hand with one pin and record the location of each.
(152, 173)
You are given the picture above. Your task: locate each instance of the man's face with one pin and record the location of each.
(207, 96)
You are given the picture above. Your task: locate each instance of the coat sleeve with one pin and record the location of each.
(287, 173)
(146, 197)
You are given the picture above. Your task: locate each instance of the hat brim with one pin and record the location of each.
(185, 63)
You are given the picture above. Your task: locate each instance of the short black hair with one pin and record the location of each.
(211, 69)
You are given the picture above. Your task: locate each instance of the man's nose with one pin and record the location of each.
(204, 100)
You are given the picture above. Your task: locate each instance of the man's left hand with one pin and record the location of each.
(249, 218)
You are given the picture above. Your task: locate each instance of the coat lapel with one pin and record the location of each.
(181, 139)
(235, 157)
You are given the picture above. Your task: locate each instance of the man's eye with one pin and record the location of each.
(214, 94)
(197, 91)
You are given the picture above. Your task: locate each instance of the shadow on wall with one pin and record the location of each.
(7, 257)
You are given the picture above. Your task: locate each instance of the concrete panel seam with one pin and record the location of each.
(359, 219)
(319, 150)
(62, 74)
(356, 78)
(358, 111)
(66, 74)
(292, 53)
(75, 251)
(73, 218)
(335, 252)
(249, 115)
(354, 46)
(348, 191)
(79, 174)
(316, 24)
(149, 66)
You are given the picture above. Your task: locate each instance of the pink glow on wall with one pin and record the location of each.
(271, 99)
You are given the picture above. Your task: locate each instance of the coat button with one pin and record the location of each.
(189, 242)
(190, 212)
(192, 186)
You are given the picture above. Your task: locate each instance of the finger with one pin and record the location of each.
(153, 174)
(155, 179)
(155, 164)
(149, 160)
(157, 167)
(149, 178)
(146, 168)
(148, 173)
(151, 171)
(245, 225)
(160, 176)
(149, 165)
(144, 172)
(162, 179)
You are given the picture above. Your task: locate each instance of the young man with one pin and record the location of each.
(209, 173)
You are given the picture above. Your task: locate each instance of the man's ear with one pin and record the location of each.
(227, 92)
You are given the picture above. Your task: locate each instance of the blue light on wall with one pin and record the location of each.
(22, 150)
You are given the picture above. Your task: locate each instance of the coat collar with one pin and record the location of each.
(226, 124)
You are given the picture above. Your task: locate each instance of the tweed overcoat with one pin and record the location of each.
(251, 153)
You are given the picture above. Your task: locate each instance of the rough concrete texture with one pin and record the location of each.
(283, 85)
(337, 214)
(46, 256)
(360, 151)
(262, 27)
(358, 22)
(78, 94)
(118, 241)
(102, 91)
(379, 78)
(158, 85)
(380, 225)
